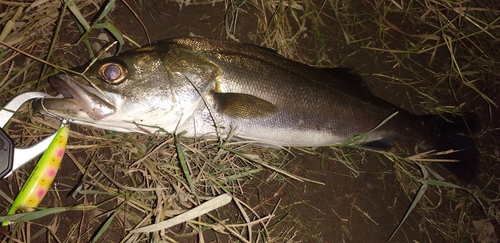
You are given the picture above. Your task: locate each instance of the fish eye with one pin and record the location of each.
(113, 73)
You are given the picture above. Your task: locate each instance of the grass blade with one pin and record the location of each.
(200, 210)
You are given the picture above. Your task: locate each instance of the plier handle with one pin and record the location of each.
(12, 158)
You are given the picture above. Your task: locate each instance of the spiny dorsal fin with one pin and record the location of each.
(243, 106)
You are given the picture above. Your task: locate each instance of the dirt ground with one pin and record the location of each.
(365, 205)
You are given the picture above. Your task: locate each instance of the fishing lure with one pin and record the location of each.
(42, 176)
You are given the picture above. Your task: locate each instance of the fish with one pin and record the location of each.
(207, 88)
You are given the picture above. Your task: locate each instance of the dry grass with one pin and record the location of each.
(430, 48)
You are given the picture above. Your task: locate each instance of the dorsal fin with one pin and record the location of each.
(263, 48)
(350, 78)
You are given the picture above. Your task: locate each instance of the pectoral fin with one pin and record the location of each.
(243, 106)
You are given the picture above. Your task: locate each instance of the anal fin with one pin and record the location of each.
(382, 144)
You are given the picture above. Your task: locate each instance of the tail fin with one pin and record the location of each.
(456, 133)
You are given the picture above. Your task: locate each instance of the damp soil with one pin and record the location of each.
(345, 207)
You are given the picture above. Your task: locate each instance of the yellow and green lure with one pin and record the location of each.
(42, 176)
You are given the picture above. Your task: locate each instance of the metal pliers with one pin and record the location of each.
(11, 158)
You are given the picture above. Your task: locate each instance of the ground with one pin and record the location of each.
(351, 195)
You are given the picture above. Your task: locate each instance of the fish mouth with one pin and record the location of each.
(77, 98)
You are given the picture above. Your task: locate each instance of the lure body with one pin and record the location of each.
(42, 176)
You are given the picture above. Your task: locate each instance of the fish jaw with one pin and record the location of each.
(79, 101)
(82, 104)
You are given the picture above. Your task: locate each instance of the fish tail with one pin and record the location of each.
(455, 133)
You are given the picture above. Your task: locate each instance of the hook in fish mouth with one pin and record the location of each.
(76, 98)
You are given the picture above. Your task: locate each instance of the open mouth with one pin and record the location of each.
(69, 90)
(77, 97)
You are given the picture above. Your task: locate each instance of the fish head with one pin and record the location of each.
(117, 93)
